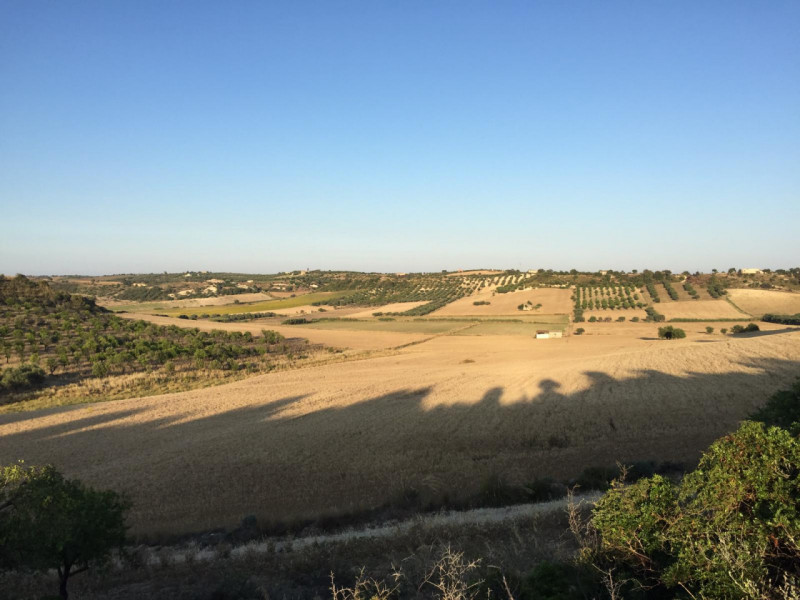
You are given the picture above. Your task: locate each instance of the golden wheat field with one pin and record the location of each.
(759, 302)
(439, 416)
(553, 301)
(700, 309)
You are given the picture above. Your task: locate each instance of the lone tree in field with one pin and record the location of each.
(669, 332)
(49, 522)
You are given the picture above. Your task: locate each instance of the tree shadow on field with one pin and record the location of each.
(303, 455)
(755, 334)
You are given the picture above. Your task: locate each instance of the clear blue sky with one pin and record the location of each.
(255, 136)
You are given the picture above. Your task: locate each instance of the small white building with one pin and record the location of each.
(546, 335)
(752, 271)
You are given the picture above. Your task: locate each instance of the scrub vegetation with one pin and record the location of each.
(61, 348)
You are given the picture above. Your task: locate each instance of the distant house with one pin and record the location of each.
(214, 281)
(242, 286)
(542, 334)
(139, 285)
(752, 271)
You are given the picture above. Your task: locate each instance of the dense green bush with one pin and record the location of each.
(782, 319)
(749, 328)
(654, 316)
(715, 287)
(295, 321)
(729, 529)
(669, 332)
(21, 378)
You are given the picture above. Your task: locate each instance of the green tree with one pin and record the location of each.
(52, 364)
(668, 332)
(49, 522)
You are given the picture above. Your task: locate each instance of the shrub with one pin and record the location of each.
(782, 319)
(709, 329)
(295, 321)
(579, 331)
(670, 333)
(731, 525)
(21, 378)
(724, 330)
(652, 315)
(782, 409)
(635, 319)
(592, 319)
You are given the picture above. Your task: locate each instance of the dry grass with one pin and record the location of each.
(553, 301)
(699, 309)
(400, 558)
(760, 302)
(265, 306)
(352, 435)
(355, 340)
(386, 308)
(188, 302)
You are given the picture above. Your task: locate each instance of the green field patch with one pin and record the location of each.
(262, 306)
(399, 326)
(512, 328)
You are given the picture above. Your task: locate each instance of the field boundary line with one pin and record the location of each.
(733, 304)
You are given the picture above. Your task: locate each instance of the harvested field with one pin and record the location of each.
(403, 325)
(699, 309)
(760, 302)
(356, 340)
(265, 306)
(167, 305)
(528, 328)
(553, 301)
(438, 416)
(386, 308)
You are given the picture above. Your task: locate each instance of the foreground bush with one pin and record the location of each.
(782, 409)
(730, 529)
(48, 522)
